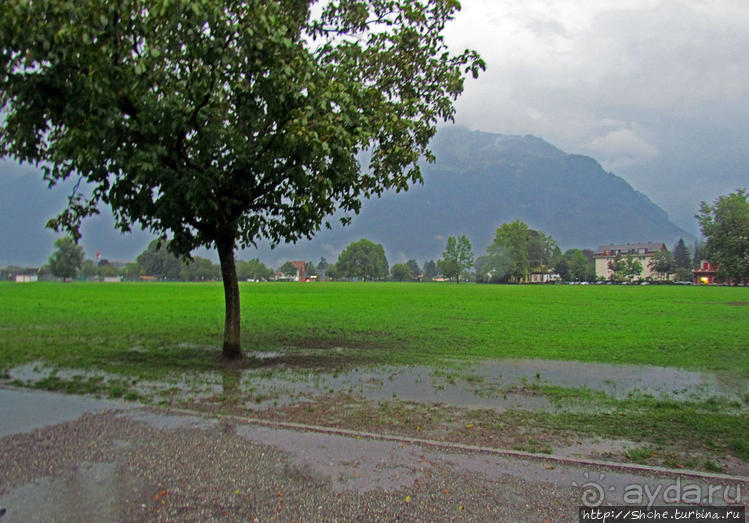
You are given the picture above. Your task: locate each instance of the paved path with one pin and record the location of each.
(66, 458)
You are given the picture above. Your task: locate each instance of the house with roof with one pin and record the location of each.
(642, 252)
(706, 273)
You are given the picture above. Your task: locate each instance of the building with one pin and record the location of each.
(642, 252)
(544, 277)
(706, 273)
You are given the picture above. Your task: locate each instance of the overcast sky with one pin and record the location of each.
(656, 91)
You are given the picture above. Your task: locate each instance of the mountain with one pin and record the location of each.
(479, 181)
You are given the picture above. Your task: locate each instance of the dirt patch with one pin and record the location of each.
(738, 303)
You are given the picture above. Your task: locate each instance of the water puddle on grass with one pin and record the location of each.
(498, 384)
(183, 386)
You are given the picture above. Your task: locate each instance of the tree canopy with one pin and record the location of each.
(221, 123)
(67, 259)
(457, 258)
(663, 263)
(574, 265)
(363, 259)
(624, 268)
(682, 258)
(401, 272)
(725, 225)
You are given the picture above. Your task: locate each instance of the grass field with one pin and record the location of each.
(160, 343)
(151, 328)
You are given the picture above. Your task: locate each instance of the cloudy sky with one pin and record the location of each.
(656, 90)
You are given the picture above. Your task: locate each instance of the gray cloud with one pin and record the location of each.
(637, 84)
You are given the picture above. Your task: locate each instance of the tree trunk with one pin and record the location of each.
(232, 348)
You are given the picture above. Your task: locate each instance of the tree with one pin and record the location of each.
(624, 268)
(508, 254)
(130, 271)
(415, 269)
(401, 272)
(199, 269)
(88, 270)
(218, 124)
(322, 267)
(574, 266)
(67, 259)
(725, 225)
(105, 269)
(682, 259)
(430, 270)
(310, 269)
(363, 259)
(457, 258)
(159, 262)
(663, 263)
(253, 269)
(543, 250)
(697, 255)
(288, 269)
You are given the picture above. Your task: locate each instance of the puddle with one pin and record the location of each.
(618, 381)
(498, 384)
(24, 411)
(187, 385)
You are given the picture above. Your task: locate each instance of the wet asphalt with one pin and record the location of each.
(68, 458)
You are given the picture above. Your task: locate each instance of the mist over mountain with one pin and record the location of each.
(479, 181)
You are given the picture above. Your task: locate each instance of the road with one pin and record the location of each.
(68, 458)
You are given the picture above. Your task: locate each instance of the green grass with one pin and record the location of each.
(150, 328)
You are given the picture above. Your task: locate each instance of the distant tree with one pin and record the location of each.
(257, 270)
(508, 252)
(222, 123)
(415, 269)
(697, 255)
(67, 259)
(430, 270)
(562, 268)
(310, 269)
(663, 263)
(88, 270)
(332, 271)
(288, 269)
(199, 269)
(725, 225)
(457, 258)
(105, 269)
(543, 250)
(322, 267)
(624, 268)
(682, 259)
(574, 266)
(363, 259)
(401, 272)
(130, 271)
(683, 274)
(159, 262)
(450, 269)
